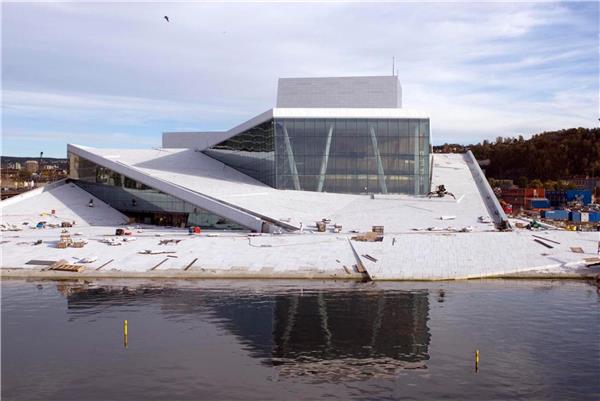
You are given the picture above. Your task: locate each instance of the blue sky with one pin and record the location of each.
(118, 75)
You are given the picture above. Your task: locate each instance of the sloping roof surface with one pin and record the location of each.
(184, 168)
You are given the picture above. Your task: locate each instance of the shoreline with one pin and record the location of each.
(208, 274)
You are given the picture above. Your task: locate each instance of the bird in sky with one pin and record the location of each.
(167, 18)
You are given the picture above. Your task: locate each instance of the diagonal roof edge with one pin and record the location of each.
(203, 201)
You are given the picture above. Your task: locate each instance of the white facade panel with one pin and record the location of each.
(340, 92)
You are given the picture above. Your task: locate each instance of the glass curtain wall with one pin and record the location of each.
(252, 152)
(334, 155)
(138, 201)
(353, 155)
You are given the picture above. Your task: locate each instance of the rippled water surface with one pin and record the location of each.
(251, 340)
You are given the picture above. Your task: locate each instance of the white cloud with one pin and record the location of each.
(481, 70)
(109, 109)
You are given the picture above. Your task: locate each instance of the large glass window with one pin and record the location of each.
(251, 152)
(353, 155)
(138, 201)
(334, 155)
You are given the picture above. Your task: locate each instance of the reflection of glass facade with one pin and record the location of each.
(381, 325)
(138, 201)
(333, 335)
(334, 155)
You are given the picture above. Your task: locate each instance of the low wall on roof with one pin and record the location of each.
(487, 193)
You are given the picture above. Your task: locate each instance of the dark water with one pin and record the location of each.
(251, 340)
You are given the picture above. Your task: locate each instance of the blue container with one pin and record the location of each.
(576, 216)
(584, 194)
(556, 198)
(539, 203)
(594, 217)
(558, 214)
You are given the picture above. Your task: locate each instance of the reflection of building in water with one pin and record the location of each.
(356, 325)
(351, 335)
(345, 335)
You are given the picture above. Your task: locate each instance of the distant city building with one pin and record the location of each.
(584, 182)
(14, 166)
(31, 166)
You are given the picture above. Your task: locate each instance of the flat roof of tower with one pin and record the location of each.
(340, 92)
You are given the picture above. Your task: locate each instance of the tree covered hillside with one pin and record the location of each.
(546, 156)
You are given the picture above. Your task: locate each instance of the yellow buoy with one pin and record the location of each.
(476, 360)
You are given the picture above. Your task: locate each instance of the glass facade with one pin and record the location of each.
(138, 201)
(334, 155)
(252, 152)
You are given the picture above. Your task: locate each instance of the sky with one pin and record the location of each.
(118, 75)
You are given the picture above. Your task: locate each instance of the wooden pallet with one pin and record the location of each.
(63, 265)
(368, 237)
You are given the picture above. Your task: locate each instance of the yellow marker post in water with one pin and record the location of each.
(476, 360)
(125, 333)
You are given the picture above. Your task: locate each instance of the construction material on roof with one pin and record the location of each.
(592, 261)
(63, 265)
(160, 263)
(65, 240)
(151, 252)
(377, 229)
(9, 227)
(440, 192)
(105, 264)
(78, 243)
(169, 241)
(190, 265)
(368, 237)
(40, 262)
(545, 239)
(543, 243)
(111, 241)
(371, 258)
